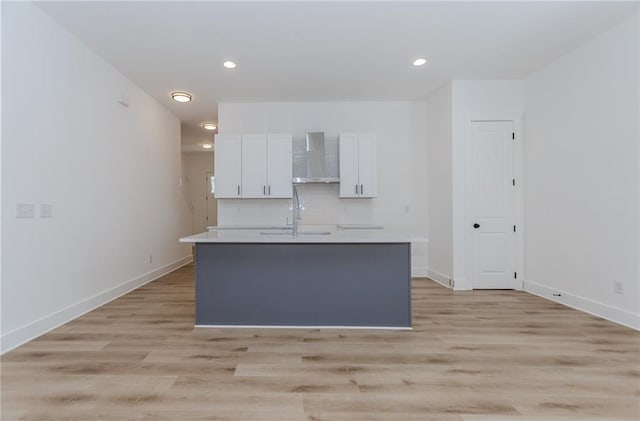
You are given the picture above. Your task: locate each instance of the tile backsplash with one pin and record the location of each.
(320, 202)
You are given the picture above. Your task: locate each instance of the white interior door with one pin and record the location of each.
(492, 205)
(210, 205)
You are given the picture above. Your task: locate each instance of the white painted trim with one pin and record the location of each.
(460, 285)
(419, 272)
(301, 327)
(439, 278)
(616, 315)
(518, 162)
(518, 171)
(28, 332)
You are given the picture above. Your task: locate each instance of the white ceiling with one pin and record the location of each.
(324, 51)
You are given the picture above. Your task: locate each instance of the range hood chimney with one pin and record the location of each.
(316, 162)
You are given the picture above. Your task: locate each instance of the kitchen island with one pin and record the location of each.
(273, 278)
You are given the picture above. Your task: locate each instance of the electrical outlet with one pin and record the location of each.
(618, 287)
(25, 210)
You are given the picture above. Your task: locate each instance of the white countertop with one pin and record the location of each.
(246, 227)
(244, 235)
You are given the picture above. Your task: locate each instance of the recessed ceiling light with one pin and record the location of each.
(229, 65)
(209, 126)
(419, 62)
(206, 145)
(181, 96)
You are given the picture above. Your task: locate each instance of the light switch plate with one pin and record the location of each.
(46, 210)
(25, 210)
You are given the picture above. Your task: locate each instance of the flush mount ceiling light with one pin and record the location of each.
(209, 126)
(419, 62)
(181, 96)
(229, 65)
(206, 145)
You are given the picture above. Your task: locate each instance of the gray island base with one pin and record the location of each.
(303, 284)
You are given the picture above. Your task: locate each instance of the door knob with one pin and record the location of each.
(476, 225)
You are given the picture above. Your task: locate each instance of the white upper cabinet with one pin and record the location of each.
(261, 165)
(227, 168)
(254, 165)
(358, 176)
(367, 174)
(348, 154)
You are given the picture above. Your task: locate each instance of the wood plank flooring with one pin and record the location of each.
(472, 356)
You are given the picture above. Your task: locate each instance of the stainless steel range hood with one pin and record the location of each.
(313, 162)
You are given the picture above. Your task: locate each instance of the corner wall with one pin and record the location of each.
(448, 111)
(111, 174)
(475, 99)
(582, 175)
(439, 182)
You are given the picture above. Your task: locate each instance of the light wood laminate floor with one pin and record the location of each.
(472, 356)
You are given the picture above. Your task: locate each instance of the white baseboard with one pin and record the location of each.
(303, 327)
(24, 334)
(438, 277)
(419, 272)
(616, 315)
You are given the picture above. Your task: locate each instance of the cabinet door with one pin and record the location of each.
(348, 149)
(254, 166)
(227, 166)
(367, 176)
(279, 166)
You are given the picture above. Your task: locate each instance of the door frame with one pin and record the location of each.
(518, 171)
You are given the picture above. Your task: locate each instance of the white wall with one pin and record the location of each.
(474, 99)
(420, 201)
(195, 168)
(401, 135)
(111, 173)
(582, 176)
(439, 180)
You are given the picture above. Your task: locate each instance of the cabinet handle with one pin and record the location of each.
(269, 190)
(356, 189)
(264, 190)
(361, 189)
(238, 189)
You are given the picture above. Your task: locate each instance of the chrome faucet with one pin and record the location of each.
(296, 207)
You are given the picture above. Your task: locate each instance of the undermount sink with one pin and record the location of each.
(276, 233)
(247, 227)
(299, 233)
(314, 232)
